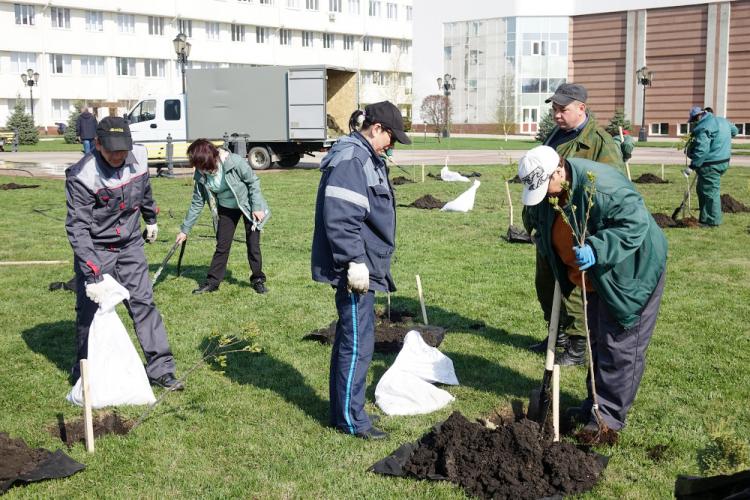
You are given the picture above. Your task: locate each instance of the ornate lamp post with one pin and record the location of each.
(182, 49)
(644, 76)
(446, 84)
(30, 78)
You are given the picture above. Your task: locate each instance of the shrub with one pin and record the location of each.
(27, 131)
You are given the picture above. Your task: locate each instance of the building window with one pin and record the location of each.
(448, 53)
(391, 10)
(238, 32)
(377, 78)
(408, 12)
(285, 37)
(261, 34)
(60, 110)
(185, 26)
(155, 25)
(59, 64)
(385, 45)
(374, 10)
(92, 65)
(311, 4)
(265, 2)
(473, 57)
(554, 83)
(366, 44)
(328, 40)
(334, 5)
(354, 7)
(743, 128)
(292, 4)
(125, 66)
(24, 14)
(154, 67)
(21, 61)
(405, 46)
(94, 20)
(531, 85)
(126, 23)
(348, 42)
(660, 129)
(212, 30)
(60, 17)
(684, 128)
(307, 38)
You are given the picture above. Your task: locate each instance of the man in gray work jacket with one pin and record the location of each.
(354, 238)
(108, 191)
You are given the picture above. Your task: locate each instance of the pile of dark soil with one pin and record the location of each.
(427, 202)
(650, 179)
(20, 464)
(397, 181)
(74, 431)
(513, 461)
(389, 335)
(517, 235)
(664, 220)
(731, 206)
(13, 185)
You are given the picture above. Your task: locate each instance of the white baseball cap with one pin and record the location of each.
(534, 170)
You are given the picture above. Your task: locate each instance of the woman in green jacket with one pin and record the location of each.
(226, 182)
(624, 255)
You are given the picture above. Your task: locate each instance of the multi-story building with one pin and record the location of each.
(108, 53)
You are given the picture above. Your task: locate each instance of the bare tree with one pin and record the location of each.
(436, 110)
(505, 114)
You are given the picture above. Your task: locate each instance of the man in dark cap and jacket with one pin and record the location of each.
(86, 130)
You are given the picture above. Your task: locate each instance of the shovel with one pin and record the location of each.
(164, 263)
(539, 402)
(515, 234)
(684, 199)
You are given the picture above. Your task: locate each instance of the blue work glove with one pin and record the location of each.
(585, 257)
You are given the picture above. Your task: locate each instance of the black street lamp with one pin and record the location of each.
(644, 76)
(30, 78)
(182, 49)
(446, 84)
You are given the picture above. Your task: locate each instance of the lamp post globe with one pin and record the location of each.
(644, 77)
(182, 49)
(30, 78)
(446, 84)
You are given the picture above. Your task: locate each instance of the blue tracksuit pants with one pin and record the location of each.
(350, 359)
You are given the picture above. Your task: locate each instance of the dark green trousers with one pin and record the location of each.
(571, 310)
(709, 193)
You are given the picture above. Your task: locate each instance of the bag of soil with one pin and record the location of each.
(721, 487)
(406, 388)
(449, 176)
(517, 235)
(464, 202)
(116, 373)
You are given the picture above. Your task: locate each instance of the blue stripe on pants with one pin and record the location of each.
(350, 360)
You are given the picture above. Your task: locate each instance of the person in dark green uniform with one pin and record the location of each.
(576, 135)
(625, 259)
(709, 150)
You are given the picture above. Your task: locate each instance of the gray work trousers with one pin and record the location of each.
(127, 265)
(619, 356)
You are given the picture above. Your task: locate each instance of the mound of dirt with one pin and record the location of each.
(512, 461)
(688, 222)
(104, 423)
(731, 206)
(389, 335)
(397, 181)
(650, 179)
(13, 185)
(427, 202)
(664, 220)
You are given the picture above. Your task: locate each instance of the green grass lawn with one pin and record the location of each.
(258, 429)
(50, 145)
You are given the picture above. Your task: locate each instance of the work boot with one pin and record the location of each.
(576, 415)
(372, 433)
(575, 352)
(541, 347)
(259, 286)
(167, 381)
(205, 288)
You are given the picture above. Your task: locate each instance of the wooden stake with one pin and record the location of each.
(388, 295)
(662, 172)
(510, 201)
(556, 403)
(421, 300)
(422, 172)
(627, 163)
(87, 421)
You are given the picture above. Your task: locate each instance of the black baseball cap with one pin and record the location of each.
(567, 93)
(388, 115)
(113, 133)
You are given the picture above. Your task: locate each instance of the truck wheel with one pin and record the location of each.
(290, 160)
(259, 158)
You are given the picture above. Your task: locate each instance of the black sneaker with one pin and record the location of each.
(167, 381)
(372, 433)
(205, 288)
(260, 287)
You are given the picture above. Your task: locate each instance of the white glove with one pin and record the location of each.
(97, 291)
(358, 277)
(152, 230)
(686, 172)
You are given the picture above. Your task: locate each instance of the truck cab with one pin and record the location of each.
(153, 118)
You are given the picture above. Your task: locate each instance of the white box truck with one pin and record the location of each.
(273, 114)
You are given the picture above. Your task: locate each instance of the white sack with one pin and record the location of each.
(464, 202)
(405, 389)
(116, 373)
(449, 176)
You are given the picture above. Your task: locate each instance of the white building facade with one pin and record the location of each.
(108, 54)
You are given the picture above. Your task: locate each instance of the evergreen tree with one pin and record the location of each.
(617, 121)
(546, 126)
(70, 132)
(27, 132)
